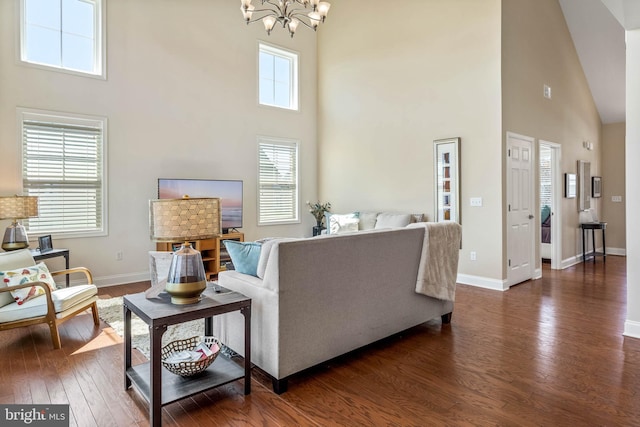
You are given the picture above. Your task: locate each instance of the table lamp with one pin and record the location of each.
(15, 208)
(184, 220)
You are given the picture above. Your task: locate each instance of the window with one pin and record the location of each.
(64, 34)
(63, 164)
(277, 181)
(278, 77)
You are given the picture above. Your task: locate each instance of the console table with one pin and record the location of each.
(593, 226)
(39, 256)
(156, 384)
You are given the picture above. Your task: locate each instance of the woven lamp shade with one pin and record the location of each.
(184, 219)
(16, 207)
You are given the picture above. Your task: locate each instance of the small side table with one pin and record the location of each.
(53, 253)
(593, 226)
(156, 384)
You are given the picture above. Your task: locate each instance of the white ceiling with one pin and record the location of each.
(600, 42)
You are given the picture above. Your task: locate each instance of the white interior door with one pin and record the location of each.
(520, 209)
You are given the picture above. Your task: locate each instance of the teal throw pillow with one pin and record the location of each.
(244, 256)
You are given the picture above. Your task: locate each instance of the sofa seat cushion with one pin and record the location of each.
(63, 299)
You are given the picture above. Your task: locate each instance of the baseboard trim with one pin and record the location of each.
(482, 282)
(631, 329)
(617, 251)
(121, 279)
(571, 261)
(537, 274)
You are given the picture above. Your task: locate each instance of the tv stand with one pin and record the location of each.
(214, 254)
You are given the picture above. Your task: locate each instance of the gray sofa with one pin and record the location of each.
(317, 298)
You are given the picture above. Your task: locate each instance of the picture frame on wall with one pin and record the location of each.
(45, 244)
(446, 153)
(570, 185)
(596, 186)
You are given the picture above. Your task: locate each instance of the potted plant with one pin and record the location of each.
(318, 210)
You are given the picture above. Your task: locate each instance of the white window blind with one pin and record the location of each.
(63, 166)
(277, 181)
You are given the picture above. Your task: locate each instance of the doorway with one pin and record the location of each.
(550, 204)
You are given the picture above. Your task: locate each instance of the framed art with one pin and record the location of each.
(596, 186)
(570, 185)
(446, 153)
(45, 244)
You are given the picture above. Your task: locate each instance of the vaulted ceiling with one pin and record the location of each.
(599, 39)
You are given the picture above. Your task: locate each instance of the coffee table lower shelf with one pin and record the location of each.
(175, 387)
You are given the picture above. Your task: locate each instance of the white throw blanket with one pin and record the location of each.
(438, 269)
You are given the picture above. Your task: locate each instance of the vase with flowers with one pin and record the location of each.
(318, 210)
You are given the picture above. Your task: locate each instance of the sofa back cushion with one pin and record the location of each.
(367, 220)
(393, 220)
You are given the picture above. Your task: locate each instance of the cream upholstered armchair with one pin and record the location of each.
(28, 294)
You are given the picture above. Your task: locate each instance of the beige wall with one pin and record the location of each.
(398, 79)
(538, 50)
(613, 184)
(181, 102)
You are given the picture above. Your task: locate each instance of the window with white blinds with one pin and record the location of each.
(63, 164)
(277, 181)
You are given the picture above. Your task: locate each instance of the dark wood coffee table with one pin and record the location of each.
(156, 384)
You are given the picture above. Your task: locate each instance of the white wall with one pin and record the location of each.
(632, 325)
(181, 102)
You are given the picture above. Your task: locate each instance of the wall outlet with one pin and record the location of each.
(472, 255)
(616, 199)
(547, 91)
(119, 256)
(475, 201)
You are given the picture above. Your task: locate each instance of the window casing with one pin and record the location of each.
(66, 35)
(277, 181)
(277, 77)
(63, 163)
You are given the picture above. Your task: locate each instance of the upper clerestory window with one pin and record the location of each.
(66, 35)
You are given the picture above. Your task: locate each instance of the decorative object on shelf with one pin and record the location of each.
(570, 185)
(289, 13)
(446, 153)
(596, 187)
(318, 210)
(189, 368)
(185, 219)
(15, 208)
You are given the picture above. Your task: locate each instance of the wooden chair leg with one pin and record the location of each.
(94, 311)
(55, 336)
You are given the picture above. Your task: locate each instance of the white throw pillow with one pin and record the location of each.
(343, 223)
(387, 220)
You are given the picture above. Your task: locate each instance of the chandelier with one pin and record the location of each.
(289, 13)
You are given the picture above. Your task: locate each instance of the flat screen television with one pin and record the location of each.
(229, 192)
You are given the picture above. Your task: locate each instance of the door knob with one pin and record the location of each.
(530, 216)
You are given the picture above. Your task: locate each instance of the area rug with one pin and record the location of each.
(111, 311)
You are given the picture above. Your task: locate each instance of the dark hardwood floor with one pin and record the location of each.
(548, 352)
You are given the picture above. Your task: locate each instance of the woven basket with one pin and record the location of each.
(187, 369)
